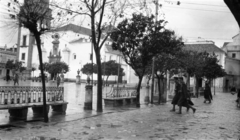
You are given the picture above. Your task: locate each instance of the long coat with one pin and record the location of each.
(177, 95)
(207, 93)
(183, 96)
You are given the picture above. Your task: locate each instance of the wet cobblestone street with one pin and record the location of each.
(218, 120)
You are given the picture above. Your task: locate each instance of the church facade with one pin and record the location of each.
(71, 44)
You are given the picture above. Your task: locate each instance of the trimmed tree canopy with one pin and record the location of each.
(89, 69)
(58, 67)
(13, 65)
(111, 68)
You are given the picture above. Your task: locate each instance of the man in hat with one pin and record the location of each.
(176, 93)
(183, 93)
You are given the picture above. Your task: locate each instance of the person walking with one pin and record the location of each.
(183, 100)
(176, 93)
(233, 90)
(8, 77)
(16, 78)
(238, 97)
(58, 80)
(207, 92)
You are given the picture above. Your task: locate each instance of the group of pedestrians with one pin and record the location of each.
(15, 79)
(182, 97)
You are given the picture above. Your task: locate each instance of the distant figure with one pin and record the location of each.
(8, 78)
(88, 80)
(207, 93)
(238, 97)
(233, 90)
(16, 78)
(58, 80)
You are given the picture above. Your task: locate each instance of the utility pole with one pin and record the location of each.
(153, 62)
(92, 61)
(18, 41)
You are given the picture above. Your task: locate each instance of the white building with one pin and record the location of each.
(209, 47)
(232, 67)
(75, 48)
(5, 55)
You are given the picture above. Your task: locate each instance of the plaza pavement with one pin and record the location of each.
(218, 120)
(74, 94)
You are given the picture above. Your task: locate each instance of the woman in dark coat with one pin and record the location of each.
(238, 97)
(176, 93)
(184, 97)
(207, 92)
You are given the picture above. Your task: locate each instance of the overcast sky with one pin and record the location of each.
(207, 19)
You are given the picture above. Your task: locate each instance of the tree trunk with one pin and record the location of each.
(159, 90)
(214, 86)
(197, 93)
(99, 78)
(138, 91)
(38, 41)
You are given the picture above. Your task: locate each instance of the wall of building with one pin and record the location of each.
(233, 70)
(5, 55)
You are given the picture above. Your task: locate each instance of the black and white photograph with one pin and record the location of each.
(119, 69)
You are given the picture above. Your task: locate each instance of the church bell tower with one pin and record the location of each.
(55, 55)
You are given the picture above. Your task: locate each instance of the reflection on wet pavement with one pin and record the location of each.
(218, 120)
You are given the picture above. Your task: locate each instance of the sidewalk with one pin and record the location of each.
(218, 120)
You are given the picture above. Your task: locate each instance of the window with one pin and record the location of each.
(24, 40)
(23, 56)
(0, 72)
(233, 55)
(110, 57)
(74, 56)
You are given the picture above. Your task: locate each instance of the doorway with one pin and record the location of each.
(226, 85)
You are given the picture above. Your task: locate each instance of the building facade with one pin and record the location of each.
(232, 50)
(74, 48)
(211, 48)
(5, 55)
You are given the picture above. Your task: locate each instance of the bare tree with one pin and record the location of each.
(101, 16)
(36, 16)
